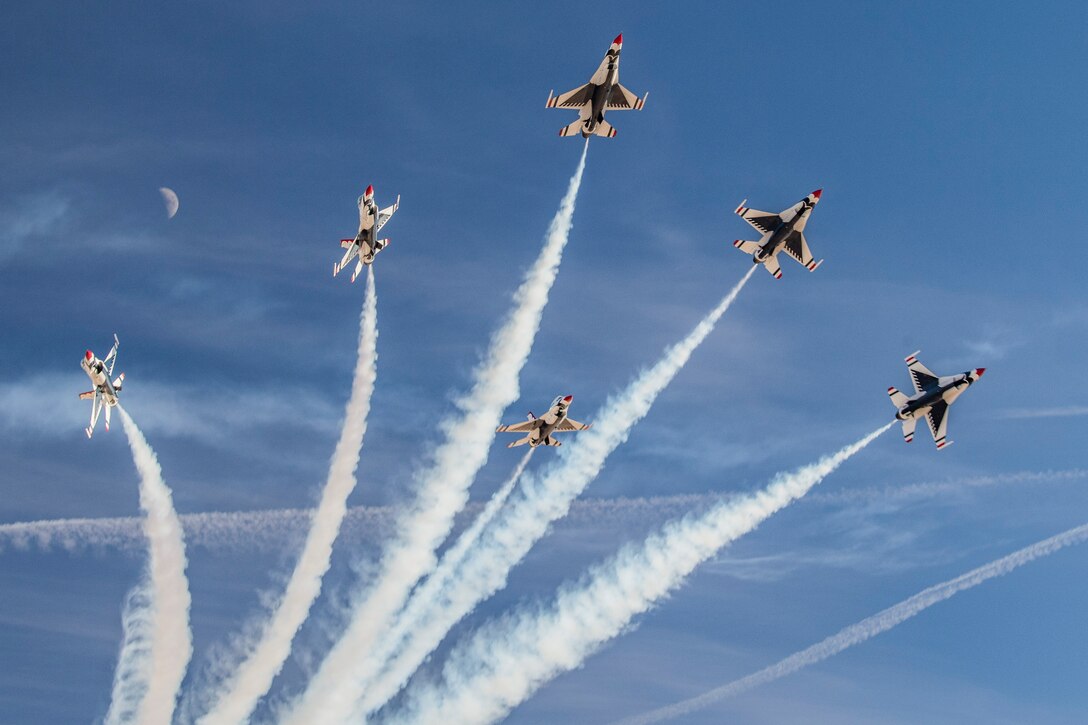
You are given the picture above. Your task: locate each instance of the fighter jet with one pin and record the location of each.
(105, 390)
(371, 221)
(602, 93)
(538, 431)
(781, 232)
(932, 396)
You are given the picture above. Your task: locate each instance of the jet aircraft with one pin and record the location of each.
(371, 221)
(602, 93)
(781, 232)
(932, 396)
(538, 431)
(105, 390)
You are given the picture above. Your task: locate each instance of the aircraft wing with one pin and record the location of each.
(111, 359)
(624, 100)
(937, 417)
(571, 99)
(920, 375)
(569, 425)
(797, 247)
(523, 427)
(764, 221)
(386, 214)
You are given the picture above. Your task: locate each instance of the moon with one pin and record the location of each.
(171, 201)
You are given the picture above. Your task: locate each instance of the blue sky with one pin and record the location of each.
(948, 139)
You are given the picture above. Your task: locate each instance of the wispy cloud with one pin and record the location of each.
(28, 219)
(46, 405)
(1069, 411)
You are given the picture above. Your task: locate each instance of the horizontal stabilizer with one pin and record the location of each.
(908, 429)
(746, 247)
(573, 129)
(346, 243)
(898, 399)
(604, 128)
(519, 442)
(86, 396)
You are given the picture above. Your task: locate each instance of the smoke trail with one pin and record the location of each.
(251, 680)
(158, 643)
(272, 529)
(542, 501)
(869, 627)
(503, 663)
(417, 608)
(441, 490)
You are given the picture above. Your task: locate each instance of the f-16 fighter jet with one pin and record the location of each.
(104, 393)
(781, 232)
(932, 396)
(538, 431)
(602, 93)
(371, 221)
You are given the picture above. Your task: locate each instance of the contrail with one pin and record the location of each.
(272, 529)
(503, 663)
(441, 490)
(264, 660)
(542, 500)
(869, 627)
(414, 614)
(158, 643)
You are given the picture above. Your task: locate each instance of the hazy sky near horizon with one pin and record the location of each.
(949, 141)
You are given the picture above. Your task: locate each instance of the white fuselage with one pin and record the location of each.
(96, 371)
(947, 389)
(548, 422)
(368, 213)
(772, 243)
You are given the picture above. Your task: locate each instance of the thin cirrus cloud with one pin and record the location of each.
(46, 405)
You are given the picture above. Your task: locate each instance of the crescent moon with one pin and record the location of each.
(171, 201)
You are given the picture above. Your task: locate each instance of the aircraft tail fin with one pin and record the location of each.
(898, 399)
(530, 416)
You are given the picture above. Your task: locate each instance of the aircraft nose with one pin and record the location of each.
(568, 399)
(979, 371)
(90, 356)
(618, 40)
(817, 193)
(369, 190)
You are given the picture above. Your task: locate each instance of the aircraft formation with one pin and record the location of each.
(781, 232)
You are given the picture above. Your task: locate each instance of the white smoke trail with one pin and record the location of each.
(158, 643)
(251, 679)
(868, 627)
(272, 529)
(542, 501)
(503, 663)
(441, 490)
(416, 610)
